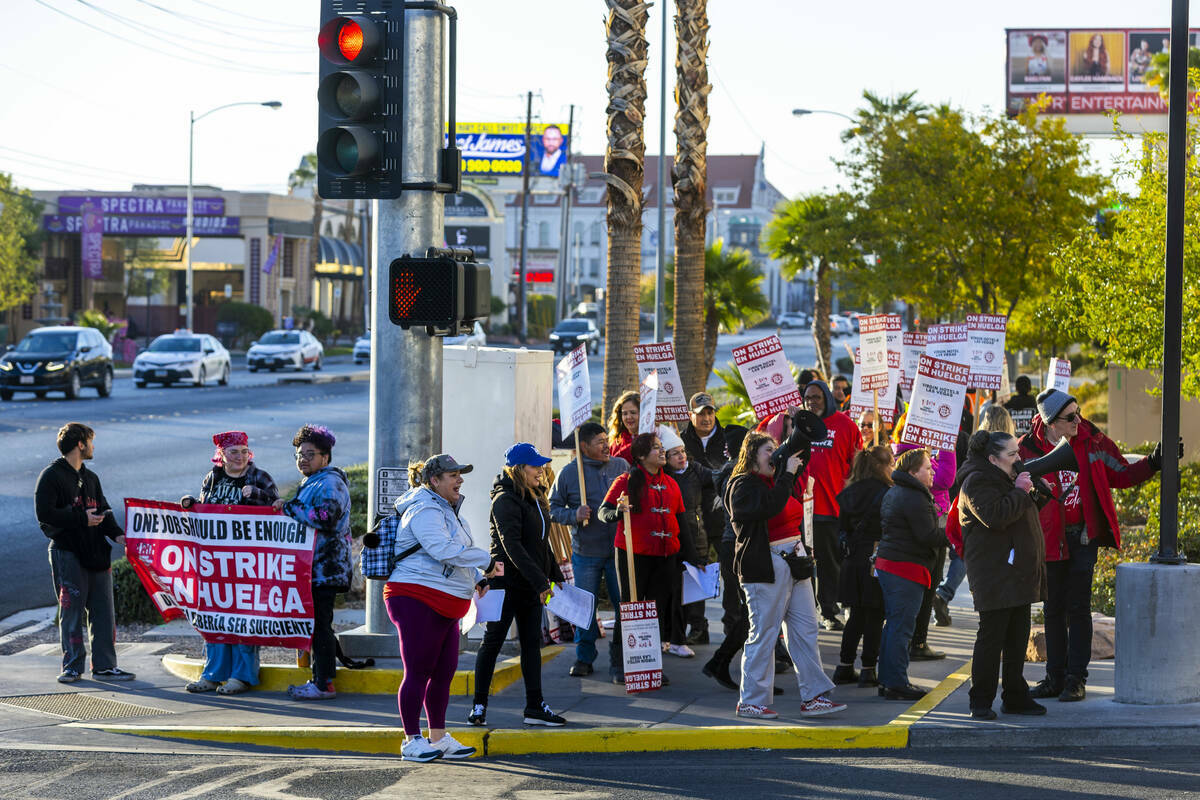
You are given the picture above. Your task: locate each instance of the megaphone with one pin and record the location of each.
(807, 428)
(1062, 457)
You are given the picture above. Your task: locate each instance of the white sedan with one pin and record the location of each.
(285, 350)
(182, 356)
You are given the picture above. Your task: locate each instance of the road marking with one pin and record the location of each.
(276, 789)
(173, 775)
(25, 631)
(447, 780)
(935, 696)
(57, 776)
(204, 788)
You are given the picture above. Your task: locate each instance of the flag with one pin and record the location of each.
(267, 267)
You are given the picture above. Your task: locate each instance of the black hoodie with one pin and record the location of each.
(520, 538)
(62, 498)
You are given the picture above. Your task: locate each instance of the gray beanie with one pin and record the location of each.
(1051, 402)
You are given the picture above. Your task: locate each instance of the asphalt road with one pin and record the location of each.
(75, 774)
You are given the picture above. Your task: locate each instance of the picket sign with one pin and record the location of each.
(648, 405)
(1059, 375)
(574, 402)
(641, 649)
(659, 357)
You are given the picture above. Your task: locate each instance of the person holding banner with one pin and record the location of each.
(520, 522)
(775, 571)
(696, 488)
(322, 502)
(623, 425)
(437, 569)
(233, 480)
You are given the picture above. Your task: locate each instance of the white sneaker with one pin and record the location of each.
(820, 705)
(452, 748)
(420, 749)
(682, 651)
(750, 711)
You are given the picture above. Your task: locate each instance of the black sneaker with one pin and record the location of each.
(543, 716)
(719, 671)
(844, 674)
(113, 674)
(697, 637)
(983, 714)
(1046, 688)
(867, 677)
(1072, 690)
(580, 669)
(1029, 709)
(478, 715)
(908, 692)
(68, 676)
(941, 612)
(925, 653)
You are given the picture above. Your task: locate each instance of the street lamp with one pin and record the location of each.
(148, 275)
(801, 112)
(192, 120)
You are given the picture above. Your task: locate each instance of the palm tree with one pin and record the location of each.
(303, 175)
(1158, 74)
(733, 296)
(689, 177)
(624, 168)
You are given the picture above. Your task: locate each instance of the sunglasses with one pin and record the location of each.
(1072, 417)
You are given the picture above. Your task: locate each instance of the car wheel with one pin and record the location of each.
(139, 384)
(252, 369)
(317, 365)
(6, 394)
(224, 380)
(201, 377)
(105, 387)
(73, 388)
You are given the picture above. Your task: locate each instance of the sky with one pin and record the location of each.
(95, 94)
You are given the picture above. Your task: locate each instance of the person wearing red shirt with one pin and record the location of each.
(623, 425)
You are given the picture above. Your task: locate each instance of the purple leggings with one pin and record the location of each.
(429, 649)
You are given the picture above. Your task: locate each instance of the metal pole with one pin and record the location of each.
(560, 272)
(526, 166)
(405, 417)
(1168, 529)
(363, 216)
(188, 242)
(660, 268)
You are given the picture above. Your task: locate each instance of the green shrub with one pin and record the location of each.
(320, 325)
(357, 475)
(251, 320)
(132, 603)
(94, 318)
(540, 317)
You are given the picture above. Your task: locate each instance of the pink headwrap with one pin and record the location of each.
(229, 439)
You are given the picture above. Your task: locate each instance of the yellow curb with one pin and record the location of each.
(930, 701)
(278, 677)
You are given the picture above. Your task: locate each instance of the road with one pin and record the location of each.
(74, 773)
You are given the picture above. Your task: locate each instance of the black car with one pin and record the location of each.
(58, 359)
(570, 333)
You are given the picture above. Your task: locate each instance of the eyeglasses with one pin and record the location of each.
(306, 455)
(1072, 417)
(868, 425)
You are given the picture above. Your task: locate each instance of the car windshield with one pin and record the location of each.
(47, 343)
(573, 325)
(175, 344)
(280, 338)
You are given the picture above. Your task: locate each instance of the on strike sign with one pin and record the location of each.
(1059, 376)
(937, 403)
(947, 343)
(873, 353)
(985, 349)
(238, 574)
(574, 390)
(660, 357)
(911, 349)
(641, 649)
(768, 378)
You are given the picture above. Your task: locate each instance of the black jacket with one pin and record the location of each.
(696, 486)
(752, 503)
(61, 499)
(999, 520)
(720, 481)
(711, 455)
(520, 538)
(908, 521)
(859, 523)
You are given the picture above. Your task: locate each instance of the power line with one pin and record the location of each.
(247, 16)
(75, 166)
(261, 43)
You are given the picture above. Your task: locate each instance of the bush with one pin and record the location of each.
(132, 603)
(250, 320)
(357, 475)
(313, 320)
(94, 318)
(540, 317)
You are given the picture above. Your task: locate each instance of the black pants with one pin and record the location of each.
(921, 632)
(736, 620)
(865, 624)
(1002, 637)
(324, 641)
(658, 579)
(1068, 610)
(526, 608)
(829, 564)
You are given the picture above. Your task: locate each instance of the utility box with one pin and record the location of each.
(493, 397)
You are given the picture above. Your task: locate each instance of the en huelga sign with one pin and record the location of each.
(238, 574)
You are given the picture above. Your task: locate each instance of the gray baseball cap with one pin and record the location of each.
(444, 463)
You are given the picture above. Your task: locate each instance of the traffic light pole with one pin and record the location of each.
(405, 421)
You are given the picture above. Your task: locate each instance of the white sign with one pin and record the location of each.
(872, 353)
(947, 343)
(937, 403)
(574, 390)
(764, 369)
(864, 399)
(911, 348)
(1059, 375)
(985, 350)
(809, 527)
(648, 406)
(660, 357)
(483, 609)
(390, 484)
(701, 583)
(641, 646)
(577, 606)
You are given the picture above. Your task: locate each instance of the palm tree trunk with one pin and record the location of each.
(689, 176)
(712, 328)
(624, 166)
(822, 307)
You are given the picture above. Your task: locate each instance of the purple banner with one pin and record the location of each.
(91, 237)
(162, 206)
(147, 226)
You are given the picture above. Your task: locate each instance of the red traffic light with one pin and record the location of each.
(350, 40)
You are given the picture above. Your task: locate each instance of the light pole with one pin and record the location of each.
(148, 274)
(192, 120)
(802, 112)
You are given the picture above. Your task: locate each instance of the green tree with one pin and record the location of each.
(1158, 74)
(20, 244)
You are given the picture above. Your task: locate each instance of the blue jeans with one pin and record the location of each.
(901, 602)
(588, 570)
(954, 577)
(225, 661)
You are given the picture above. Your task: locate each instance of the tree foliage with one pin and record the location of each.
(1158, 74)
(20, 244)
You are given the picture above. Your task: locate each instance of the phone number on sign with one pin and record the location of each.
(491, 165)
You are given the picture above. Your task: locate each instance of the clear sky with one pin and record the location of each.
(81, 108)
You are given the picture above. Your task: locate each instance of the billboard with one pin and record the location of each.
(477, 238)
(498, 148)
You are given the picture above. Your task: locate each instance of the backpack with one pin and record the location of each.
(379, 558)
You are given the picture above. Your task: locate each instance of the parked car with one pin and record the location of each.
(182, 356)
(57, 359)
(285, 350)
(362, 349)
(476, 337)
(570, 333)
(793, 319)
(838, 326)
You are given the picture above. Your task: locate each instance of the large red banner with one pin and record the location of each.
(238, 574)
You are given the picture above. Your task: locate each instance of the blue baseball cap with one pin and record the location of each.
(524, 453)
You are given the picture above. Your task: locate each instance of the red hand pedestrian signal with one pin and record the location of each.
(406, 293)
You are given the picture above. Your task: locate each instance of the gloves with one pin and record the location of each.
(1156, 457)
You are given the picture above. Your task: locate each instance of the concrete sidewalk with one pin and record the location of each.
(693, 713)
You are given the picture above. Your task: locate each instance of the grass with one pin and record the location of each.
(339, 350)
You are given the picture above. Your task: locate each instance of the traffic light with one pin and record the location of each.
(359, 102)
(442, 292)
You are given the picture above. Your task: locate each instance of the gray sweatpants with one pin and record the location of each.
(84, 596)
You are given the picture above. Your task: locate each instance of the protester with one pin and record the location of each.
(322, 502)
(77, 519)
(623, 424)
(842, 393)
(437, 570)
(702, 435)
(1022, 405)
(904, 560)
(858, 589)
(653, 499)
(1081, 519)
(520, 522)
(806, 377)
(995, 418)
(233, 480)
(696, 488)
(591, 539)
(768, 522)
(1005, 557)
(734, 618)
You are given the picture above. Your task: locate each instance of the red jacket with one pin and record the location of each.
(830, 462)
(1102, 468)
(621, 447)
(655, 526)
